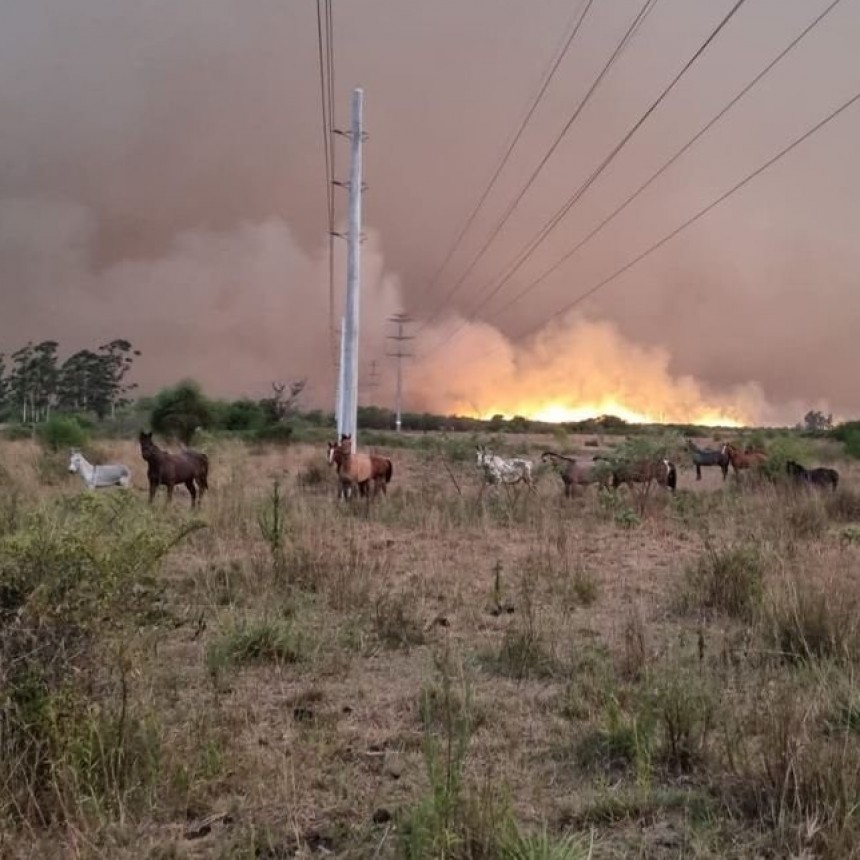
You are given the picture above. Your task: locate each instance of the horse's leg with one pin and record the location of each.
(153, 488)
(191, 489)
(698, 472)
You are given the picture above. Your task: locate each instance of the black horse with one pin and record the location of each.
(819, 477)
(708, 457)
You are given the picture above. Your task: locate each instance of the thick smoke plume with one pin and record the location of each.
(161, 179)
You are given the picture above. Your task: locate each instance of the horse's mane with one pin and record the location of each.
(559, 456)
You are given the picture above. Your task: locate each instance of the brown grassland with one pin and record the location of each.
(437, 675)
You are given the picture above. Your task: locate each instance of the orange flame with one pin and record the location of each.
(572, 371)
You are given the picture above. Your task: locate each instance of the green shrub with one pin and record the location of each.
(281, 434)
(73, 744)
(178, 412)
(61, 432)
(260, 641)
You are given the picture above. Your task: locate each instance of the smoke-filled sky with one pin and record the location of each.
(162, 179)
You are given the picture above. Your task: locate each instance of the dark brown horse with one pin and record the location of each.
(188, 467)
(820, 477)
(381, 469)
(662, 471)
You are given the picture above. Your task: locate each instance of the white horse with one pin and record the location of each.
(108, 475)
(498, 470)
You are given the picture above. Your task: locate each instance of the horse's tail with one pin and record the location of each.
(203, 474)
(834, 478)
(389, 471)
(671, 476)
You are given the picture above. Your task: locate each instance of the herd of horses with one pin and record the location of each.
(366, 475)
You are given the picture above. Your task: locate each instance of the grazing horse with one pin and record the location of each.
(708, 457)
(354, 470)
(820, 477)
(498, 470)
(575, 474)
(382, 470)
(741, 460)
(662, 471)
(188, 467)
(106, 475)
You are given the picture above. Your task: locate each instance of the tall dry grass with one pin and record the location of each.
(244, 679)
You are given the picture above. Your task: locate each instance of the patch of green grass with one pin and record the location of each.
(260, 641)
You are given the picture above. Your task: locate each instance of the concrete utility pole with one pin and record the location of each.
(348, 422)
(400, 320)
(338, 409)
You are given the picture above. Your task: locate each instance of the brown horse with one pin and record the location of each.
(354, 471)
(575, 474)
(382, 469)
(741, 460)
(663, 472)
(169, 469)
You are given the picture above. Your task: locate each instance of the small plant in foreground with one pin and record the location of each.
(728, 580)
(810, 623)
(544, 846)
(261, 641)
(271, 520)
(395, 622)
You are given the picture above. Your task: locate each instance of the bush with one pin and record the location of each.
(239, 416)
(178, 412)
(61, 432)
(807, 623)
(280, 434)
(71, 742)
(851, 443)
(263, 641)
(728, 580)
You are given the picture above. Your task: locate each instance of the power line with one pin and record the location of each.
(646, 8)
(578, 18)
(333, 156)
(670, 161)
(542, 234)
(704, 211)
(325, 48)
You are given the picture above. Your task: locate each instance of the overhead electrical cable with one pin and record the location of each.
(625, 40)
(559, 55)
(542, 234)
(705, 128)
(687, 223)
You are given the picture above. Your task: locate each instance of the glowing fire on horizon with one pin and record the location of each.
(559, 413)
(576, 370)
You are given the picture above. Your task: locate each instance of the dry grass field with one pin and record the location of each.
(437, 675)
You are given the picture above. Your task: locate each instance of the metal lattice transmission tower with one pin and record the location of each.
(400, 320)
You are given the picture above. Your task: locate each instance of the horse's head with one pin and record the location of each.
(482, 453)
(334, 453)
(74, 460)
(147, 446)
(794, 468)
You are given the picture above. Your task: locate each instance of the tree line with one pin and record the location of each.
(34, 382)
